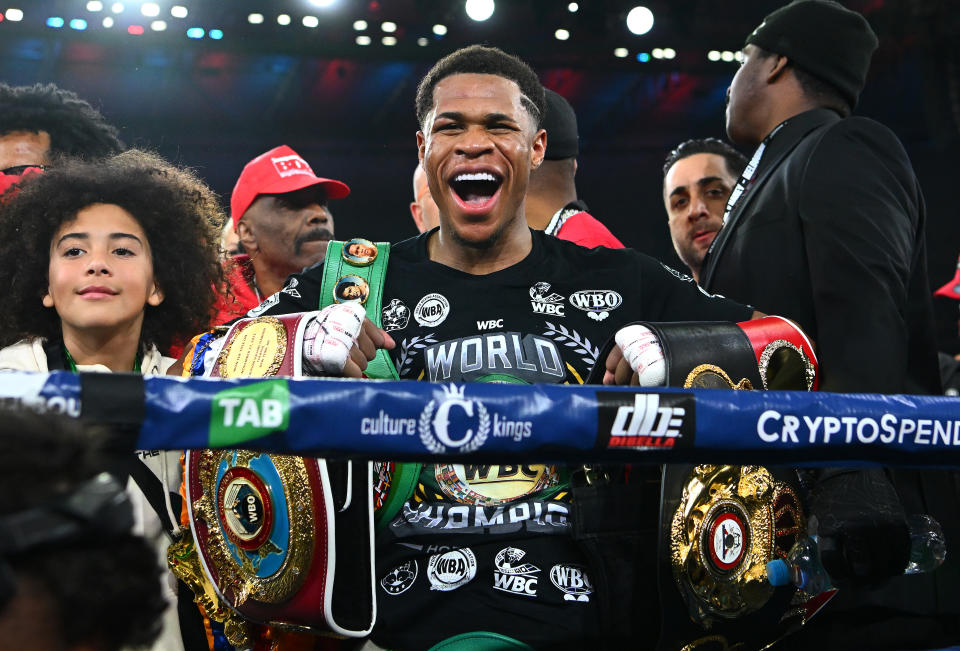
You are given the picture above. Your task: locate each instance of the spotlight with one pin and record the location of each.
(643, 57)
(108, 22)
(363, 39)
(669, 53)
(440, 30)
(713, 55)
(423, 41)
(479, 10)
(322, 4)
(135, 30)
(55, 21)
(255, 19)
(388, 27)
(561, 34)
(657, 53)
(283, 19)
(178, 11)
(739, 56)
(389, 40)
(640, 20)
(117, 8)
(78, 24)
(150, 9)
(621, 52)
(359, 25)
(310, 21)
(195, 32)
(727, 55)
(215, 34)
(158, 25)
(14, 15)
(573, 7)
(94, 5)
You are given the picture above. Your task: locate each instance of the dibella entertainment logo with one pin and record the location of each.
(644, 421)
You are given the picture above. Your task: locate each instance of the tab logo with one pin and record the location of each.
(247, 412)
(642, 421)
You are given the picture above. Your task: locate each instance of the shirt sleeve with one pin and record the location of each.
(300, 293)
(668, 295)
(586, 230)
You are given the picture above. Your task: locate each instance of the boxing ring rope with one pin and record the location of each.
(337, 418)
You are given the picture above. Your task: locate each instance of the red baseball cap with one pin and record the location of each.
(952, 288)
(277, 171)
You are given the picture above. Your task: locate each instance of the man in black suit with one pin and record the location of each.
(829, 228)
(826, 226)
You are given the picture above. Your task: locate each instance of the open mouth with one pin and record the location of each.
(476, 190)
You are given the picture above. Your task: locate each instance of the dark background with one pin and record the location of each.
(348, 109)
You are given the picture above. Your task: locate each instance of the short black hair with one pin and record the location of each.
(820, 91)
(735, 161)
(105, 584)
(179, 214)
(483, 60)
(75, 127)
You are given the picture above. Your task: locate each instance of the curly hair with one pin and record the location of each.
(179, 214)
(104, 582)
(75, 127)
(479, 59)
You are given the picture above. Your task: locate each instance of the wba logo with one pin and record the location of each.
(646, 420)
(572, 581)
(512, 575)
(451, 570)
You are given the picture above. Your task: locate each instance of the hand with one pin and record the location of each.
(637, 359)
(340, 341)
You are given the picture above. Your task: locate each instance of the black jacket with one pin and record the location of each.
(830, 234)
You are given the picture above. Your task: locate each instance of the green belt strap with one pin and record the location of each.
(335, 267)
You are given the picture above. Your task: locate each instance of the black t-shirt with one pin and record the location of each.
(487, 547)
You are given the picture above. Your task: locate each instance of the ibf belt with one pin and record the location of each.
(263, 347)
(355, 272)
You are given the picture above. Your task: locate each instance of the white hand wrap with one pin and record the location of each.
(643, 353)
(329, 336)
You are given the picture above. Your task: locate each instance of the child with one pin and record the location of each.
(131, 247)
(105, 264)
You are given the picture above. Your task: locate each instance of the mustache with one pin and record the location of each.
(313, 235)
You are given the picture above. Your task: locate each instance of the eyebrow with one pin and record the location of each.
(86, 236)
(489, 117)
(707, 180)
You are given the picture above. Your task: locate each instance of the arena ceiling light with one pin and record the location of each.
(55, 22)
(423, 41)
(621, 52)
(117, 8)
(150, 9)
(158, 25)
(108, 22)
(573, 7)
(389, 40)
(255, 19)
(360, 25)
(363, 39)
(283, 19)
(178, 11)
(669, 53)
(14, 15)
(215, 34)
(94, 5)
(657, 53)
(440, 30)
(78, 24)
(727, 56)
(195, 32)
(311, 21)
(479, 10)
(561, 34)
(388, 26)
(713, 55)
(135, 30)
(322, 4)
(640, 20)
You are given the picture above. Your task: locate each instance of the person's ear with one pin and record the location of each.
(421, 146)
(777, 65)
(156, 296)
(539, 148)
(417, 215)
(47, 299)
(246, 236)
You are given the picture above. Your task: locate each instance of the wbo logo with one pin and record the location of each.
(248, 412)
(436, 432)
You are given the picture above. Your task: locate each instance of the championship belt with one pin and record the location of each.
(721, 524)
(277, 540)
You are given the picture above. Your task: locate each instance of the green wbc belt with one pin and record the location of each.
(355, 272)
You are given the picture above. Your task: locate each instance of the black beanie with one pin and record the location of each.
(561, 124)
(825, 39)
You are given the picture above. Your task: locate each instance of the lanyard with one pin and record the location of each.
(744, 181)
(73, 364)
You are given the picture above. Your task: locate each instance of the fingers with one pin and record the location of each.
(613, 360)
(643, 354)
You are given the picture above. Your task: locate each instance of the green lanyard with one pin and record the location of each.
(73, 364)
